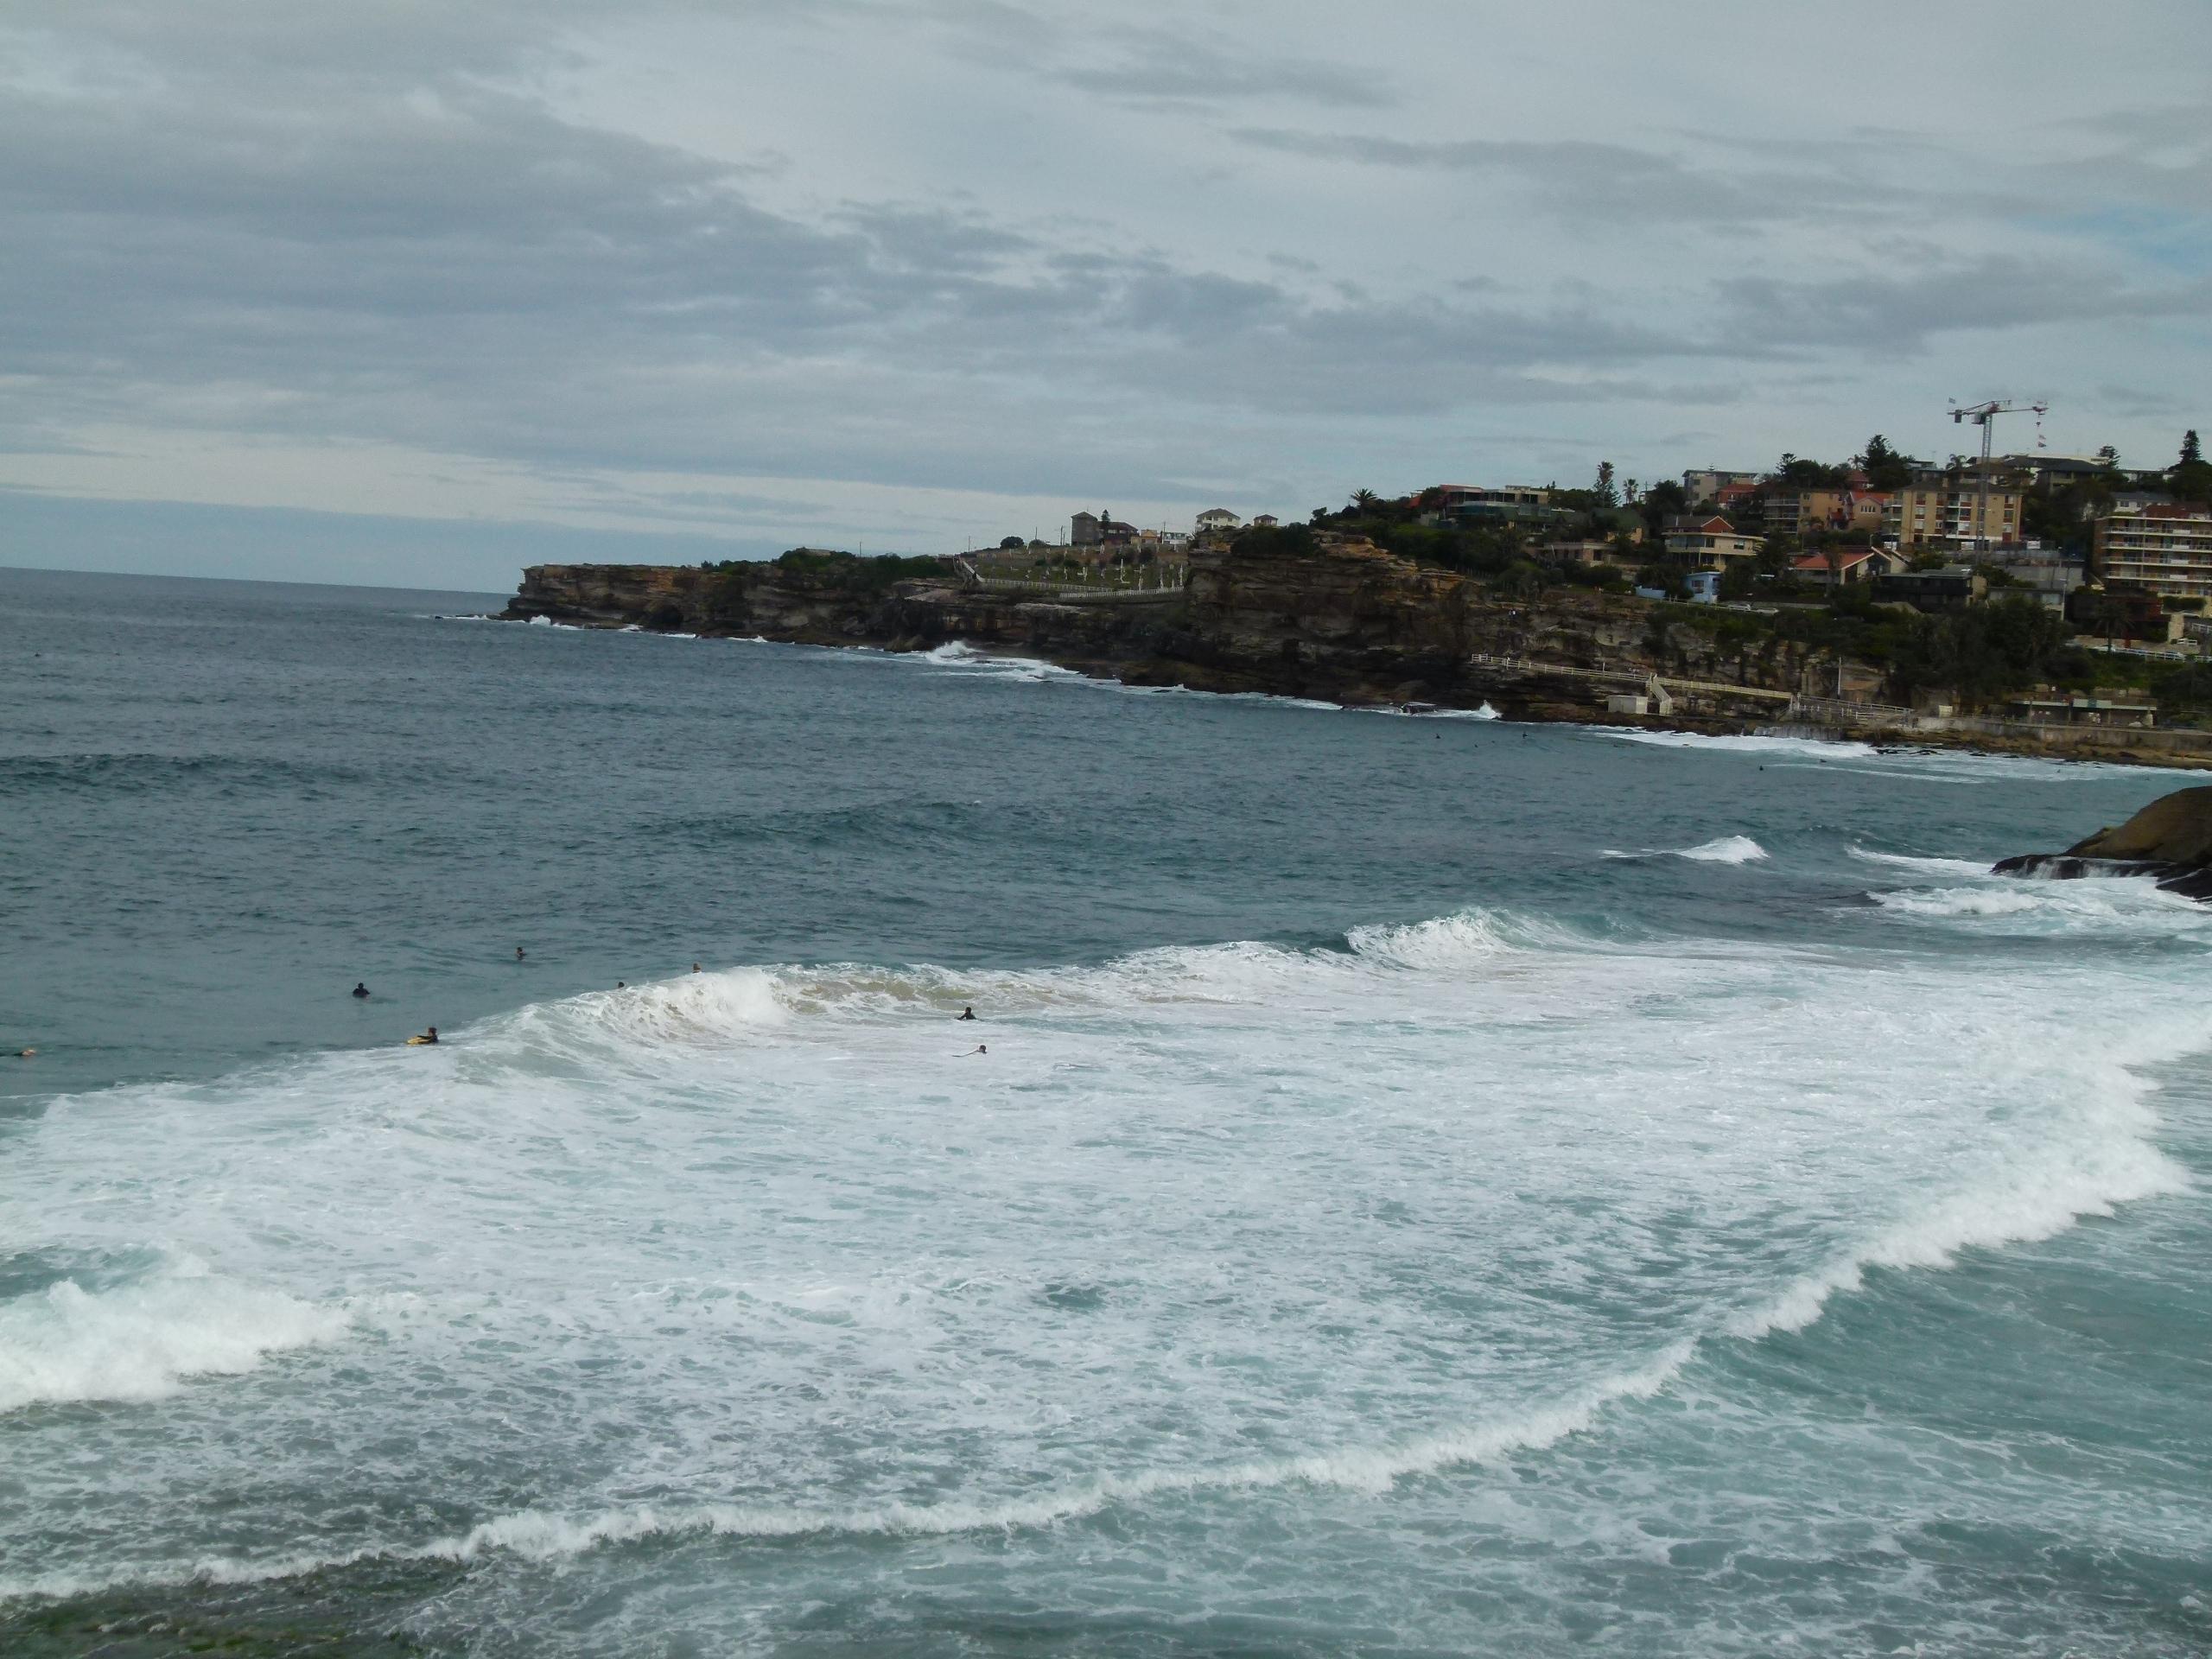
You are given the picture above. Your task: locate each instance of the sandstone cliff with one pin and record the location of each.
(1330, 618)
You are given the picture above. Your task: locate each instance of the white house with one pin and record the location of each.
(1217, 519)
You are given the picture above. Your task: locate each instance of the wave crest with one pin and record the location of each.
(141, 1341)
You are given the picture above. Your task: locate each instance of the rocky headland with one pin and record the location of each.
(1317, 615)
(1337, 619)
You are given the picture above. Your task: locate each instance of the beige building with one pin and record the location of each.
(2166, 547)
(1944, 510)
(1795, 513)
(1710, 543)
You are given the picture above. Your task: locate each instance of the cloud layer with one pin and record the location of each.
(856, 269)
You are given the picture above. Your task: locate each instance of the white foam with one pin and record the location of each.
(1919, 764)
(1724, 849)
(1952, 867)
(1470, 938)
(2106, 1162)
(972, 664)
(142, 1341)
(1798, 748)
(777, 1233)
(2103, 906)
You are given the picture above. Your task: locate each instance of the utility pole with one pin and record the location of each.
(1985, 416)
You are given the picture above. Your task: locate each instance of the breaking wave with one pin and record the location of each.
(143, 1341)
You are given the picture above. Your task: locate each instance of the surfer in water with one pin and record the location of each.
(517, 953)
(980, 1048)
(26, 1053)
(428, 1039)
(965, 1014)
(360, 988)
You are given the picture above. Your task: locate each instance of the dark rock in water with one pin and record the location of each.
(2171, 840)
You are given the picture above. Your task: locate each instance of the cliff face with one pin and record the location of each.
(1336, 619)
(774, 601)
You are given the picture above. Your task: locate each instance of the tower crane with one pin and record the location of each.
(1985, 416)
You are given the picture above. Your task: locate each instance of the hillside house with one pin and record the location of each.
(1710, 542)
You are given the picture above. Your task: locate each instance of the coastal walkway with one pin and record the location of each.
(1634, 677)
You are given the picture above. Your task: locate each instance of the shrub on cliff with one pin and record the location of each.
(1486, 552)
(1981, 653)
(852, 573)
(1292, 540)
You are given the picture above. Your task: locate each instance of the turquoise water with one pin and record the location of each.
(1435, 1186)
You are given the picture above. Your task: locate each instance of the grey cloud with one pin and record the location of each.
(454, 266)
(359, 223)
(1160, 69)
(1898, 314)
(1586, 180)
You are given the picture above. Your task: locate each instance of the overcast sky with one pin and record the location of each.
(412, 291)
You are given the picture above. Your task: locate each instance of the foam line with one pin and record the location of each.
(539, 1536)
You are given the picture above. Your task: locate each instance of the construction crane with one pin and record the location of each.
(1985, 416)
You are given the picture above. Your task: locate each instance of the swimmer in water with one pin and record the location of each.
(430, 1037)
(965, 1014)
(360, 989)
(980, 1048)
(25, 1053)
(517, 953)
(695, 967)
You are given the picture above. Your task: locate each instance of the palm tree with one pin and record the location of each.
(1365, 500)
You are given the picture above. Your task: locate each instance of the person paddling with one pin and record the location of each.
(966, 1013)
(360, 988)
(428, 1040)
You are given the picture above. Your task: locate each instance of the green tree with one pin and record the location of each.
(1365, 501)
(1885, 468)
(2190, 477)
(1604, 489)
(1661, 501)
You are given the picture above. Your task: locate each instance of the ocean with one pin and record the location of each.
(1412, 1185)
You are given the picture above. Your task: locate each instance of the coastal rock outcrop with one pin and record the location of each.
(2170, 839)
(1320, 616)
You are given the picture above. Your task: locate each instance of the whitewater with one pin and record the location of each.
(1370, 1210)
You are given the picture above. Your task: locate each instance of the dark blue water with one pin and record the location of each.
(1441, 1186)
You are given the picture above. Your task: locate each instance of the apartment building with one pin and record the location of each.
(1947, 509)
(2165, 546)
(1797, 512)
